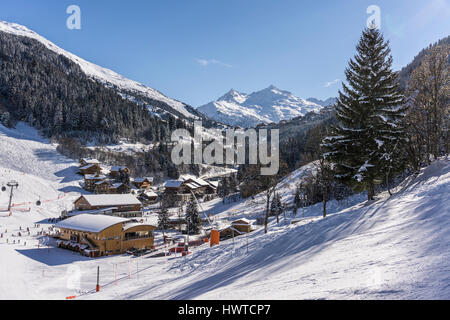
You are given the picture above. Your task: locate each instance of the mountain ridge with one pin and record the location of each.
(269, 105)
(106, 76)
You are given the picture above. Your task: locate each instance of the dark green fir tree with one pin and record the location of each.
(163, 216)
(193, 217)
(366, 145)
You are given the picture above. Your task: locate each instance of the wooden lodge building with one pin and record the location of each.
(119, 188)
(122, 205)
(173, 186)
(143, 183)
(101, 187)
(90, 169)
(90, 181)
(198, 186)
(237, 228)
(147, 197)
(100, 235)
(243, 225)
(212, 187)
(117, 170)
(186, 186)
(86, 161)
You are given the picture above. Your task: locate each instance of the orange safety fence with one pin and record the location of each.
(16, 209)
(43, 201)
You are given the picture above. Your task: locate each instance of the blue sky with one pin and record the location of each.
(196, 50)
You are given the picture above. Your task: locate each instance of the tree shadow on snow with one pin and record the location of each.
(52, 256)
(51, 155)
(76, 189)
(68, 174)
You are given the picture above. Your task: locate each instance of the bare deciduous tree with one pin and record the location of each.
(428, 101)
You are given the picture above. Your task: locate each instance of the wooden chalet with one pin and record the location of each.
(243, 225)
(173, 186)
(100, 235)
(91, 179)
(123, 205)
(101, 187)
(148, 197)
(119, 188)
(195, 185)
(143, 183)
(85, 161)
(237, 228)
(116, 170)
(212, 186)
(92, 168)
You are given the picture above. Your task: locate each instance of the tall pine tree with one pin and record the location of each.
(163, 216)
(366, 144)
(192, 217)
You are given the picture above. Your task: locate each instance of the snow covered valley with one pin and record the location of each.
(394, 248)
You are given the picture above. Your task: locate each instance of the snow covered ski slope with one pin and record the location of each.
(394, 248)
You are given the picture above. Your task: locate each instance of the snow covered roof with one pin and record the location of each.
(90, 222)
(230, 228)
(136, 224)
(101, 182)
(88, 166)
(94, 177)
(214, 184)
(198, 181)
(116, 185)
(173, 183)
(192, 185)
(140, 180)
(241, 220)
(150, 194)
(111, 199)
(90, 161)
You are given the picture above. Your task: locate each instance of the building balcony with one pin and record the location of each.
(137, 238)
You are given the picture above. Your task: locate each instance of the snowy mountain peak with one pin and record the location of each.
(265, 106)
(106, 76)
(233, 95)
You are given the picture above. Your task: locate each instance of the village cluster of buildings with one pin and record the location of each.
(114, 183)
(117, 181)
(108, 224)
(184, 188)
(108, 221)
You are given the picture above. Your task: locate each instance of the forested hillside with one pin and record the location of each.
(406, 72)
(52, 93)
